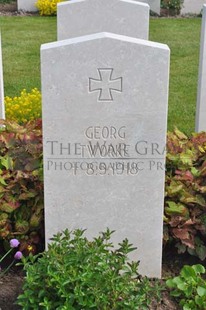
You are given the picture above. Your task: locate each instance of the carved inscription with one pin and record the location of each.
(106, 152)
(105, 85)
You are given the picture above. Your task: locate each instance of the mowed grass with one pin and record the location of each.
(22, 37)
(21, 41)
(183, 38)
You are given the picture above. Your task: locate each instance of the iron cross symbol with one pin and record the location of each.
(105, 85)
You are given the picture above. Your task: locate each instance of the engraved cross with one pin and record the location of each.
(105, 85)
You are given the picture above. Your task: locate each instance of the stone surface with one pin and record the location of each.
(154, 5)
(27, 5)
(192, 6)
(200, 124)
(82, 17)
(2, 109)
(105, 102)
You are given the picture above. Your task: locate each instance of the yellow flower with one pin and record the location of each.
(25, 107)
(47, 7)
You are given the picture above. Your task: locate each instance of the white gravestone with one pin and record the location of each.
(126, 17)
(192, 6)
(27, 5)
(201, 92)
(2, 108)
(105, 102)
(154, 5)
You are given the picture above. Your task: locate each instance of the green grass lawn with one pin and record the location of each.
(22, 37)
(21, 41)
(183, 38)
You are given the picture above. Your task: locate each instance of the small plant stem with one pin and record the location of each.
(5, 271)
(6, 255)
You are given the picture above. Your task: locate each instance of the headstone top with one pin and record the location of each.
(127, 17)
(101, 35)
(104, 2)
(154, 5)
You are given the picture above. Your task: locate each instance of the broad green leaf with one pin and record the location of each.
(180, 134)
(9, 207)
(199, 301)
(195, 172)
(187, 158)
(199, 268)
(175, 208)
(201, 252)
(170, 283)
(174, 188)
(189, 290)
(26, 196)
(187, 272)
(178, 280)
(2, 181)
(182, 286)
(6, 162)
(176, 293)
(187, 307)
(201, 291)
(198, 199)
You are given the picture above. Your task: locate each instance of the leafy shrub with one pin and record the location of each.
(21, 183)
(172, 4)
(24, 108)
(47, 7)
(185, 201)
(189, 288)
(79, 274)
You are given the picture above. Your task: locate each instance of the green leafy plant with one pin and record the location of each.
(185, 193)
(189, 288)
(76, 273)
(21, 183)
(172, 4)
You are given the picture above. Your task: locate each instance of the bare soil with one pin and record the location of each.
(10, 288)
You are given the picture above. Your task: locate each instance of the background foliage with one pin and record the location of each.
(185, 201)
(21, 184)
(172, 4)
